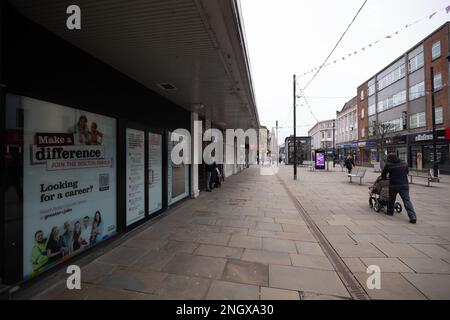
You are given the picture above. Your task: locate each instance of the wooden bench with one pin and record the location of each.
(423, 175)
(360, 173)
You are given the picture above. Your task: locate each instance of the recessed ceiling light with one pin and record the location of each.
(167, 86)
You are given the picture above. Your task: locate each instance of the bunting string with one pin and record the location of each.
(371, 45)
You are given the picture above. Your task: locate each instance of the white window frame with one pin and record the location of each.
(415, 91)
(415, 120)
(434, 51)
(439, 110)
(436, 76)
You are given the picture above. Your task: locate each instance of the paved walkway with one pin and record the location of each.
(248, 241)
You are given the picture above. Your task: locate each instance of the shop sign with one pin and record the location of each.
(423, 137)
(447, 134)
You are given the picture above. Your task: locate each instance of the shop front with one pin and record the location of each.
(345, 149)
(421, 151)
(80, 165)
(399, 146)
(88, 127)
(367, 151)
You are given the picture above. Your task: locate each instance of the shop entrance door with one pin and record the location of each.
(419, 161)
(144, 173)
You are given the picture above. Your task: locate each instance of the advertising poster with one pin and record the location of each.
(69, 195)
(135, 175)
(320, 160)
(155, 172)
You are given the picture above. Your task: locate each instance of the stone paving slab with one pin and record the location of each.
(310, 261)
(248, 242)
(278, 294)
(427, 265)
(246, 272)
(263, 256)
(222, 290)
(198, 266)
(305, 279)
(387, 264)
(393, 287)
(219, 251)
(434, 286)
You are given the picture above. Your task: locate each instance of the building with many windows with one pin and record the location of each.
(399, 99)
(322, 135)
(347, 129)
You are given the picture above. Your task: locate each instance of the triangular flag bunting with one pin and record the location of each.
(447, 9)
(431, 15)
(387, 37)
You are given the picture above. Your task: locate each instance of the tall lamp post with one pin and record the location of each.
(334, 140)
(295, 132)
(433, 117)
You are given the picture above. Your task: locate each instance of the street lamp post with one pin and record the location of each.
(433, 117)
(295, 132)
(278, 148)
(334, 151)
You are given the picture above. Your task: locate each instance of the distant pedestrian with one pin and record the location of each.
(208, 169)
(398, 184)
(349, 164)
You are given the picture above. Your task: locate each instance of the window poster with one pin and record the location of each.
(69, 187)
(135, 175)
(155, 172)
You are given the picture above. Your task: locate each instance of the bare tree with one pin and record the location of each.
(381, 131)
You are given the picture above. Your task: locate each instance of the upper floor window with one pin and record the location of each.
(436, 50)
(371, 109)
(439, 115)
(363, 132)
(417, 91)
(362, 113)
(371, 90)
(392, 77)
(417, 120)
(392, 101)
(362, 94)
(416, 62)
(437, 81)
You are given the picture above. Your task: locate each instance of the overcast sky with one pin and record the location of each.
(293, 36)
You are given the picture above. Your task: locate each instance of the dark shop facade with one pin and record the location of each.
(87, 129)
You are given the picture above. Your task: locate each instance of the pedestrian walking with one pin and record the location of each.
(349, 163)
(208, 169)
(397, 170)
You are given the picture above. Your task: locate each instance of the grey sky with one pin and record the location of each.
(292, 36)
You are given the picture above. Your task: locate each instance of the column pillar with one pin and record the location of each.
(196, 153)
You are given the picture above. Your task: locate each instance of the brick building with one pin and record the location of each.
(400, 95)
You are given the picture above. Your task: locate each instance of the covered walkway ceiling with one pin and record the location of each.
(197, 46)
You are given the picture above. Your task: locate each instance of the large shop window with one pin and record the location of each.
(135, 175)
(68, 188)
(155, 172)
(178, 173)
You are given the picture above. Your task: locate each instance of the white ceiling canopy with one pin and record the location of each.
(192, 52)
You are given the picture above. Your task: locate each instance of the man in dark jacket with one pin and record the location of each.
(398, 184)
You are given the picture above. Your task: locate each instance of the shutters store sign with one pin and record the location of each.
(423, 137)
(427, 136)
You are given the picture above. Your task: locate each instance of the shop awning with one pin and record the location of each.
(192, 52)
